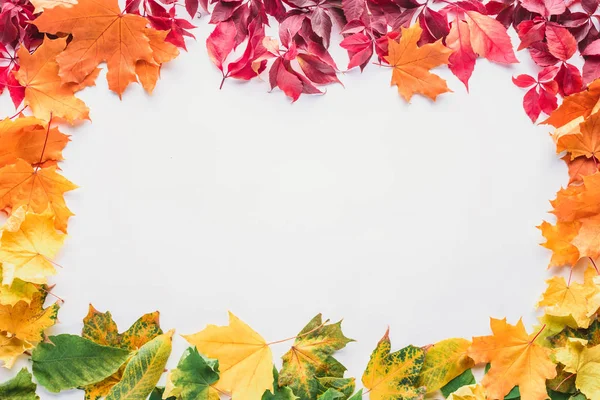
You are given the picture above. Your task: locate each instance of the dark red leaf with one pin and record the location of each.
(561, 44)
(547, 101)
(524, 81)
(531, 104)
(569, 80)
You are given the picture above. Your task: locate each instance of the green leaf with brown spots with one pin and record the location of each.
(311, 358)
(143, 370)
(591, 334)
(444, 361)
(100, 328)
(21, 387)
(393, 376)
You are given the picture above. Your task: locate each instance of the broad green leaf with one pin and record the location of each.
(558, 395)
(193, 377)
(279, 392)
(71, 361)
(311, 357)
(343, 385)
(143, 370)
(444, 361)
(157, 394)
(357, 396)
(331, 394)
(394, 375)
(464, 379)
(19, 388)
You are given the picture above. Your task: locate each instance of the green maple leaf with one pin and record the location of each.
(279, 392)
(193, 377)
(310, 358)
(20, 387)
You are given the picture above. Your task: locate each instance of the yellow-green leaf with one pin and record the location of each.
(444, 361)
(143, 370)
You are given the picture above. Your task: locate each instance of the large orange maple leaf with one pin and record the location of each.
(515, 358)
(412, 64)
(44, 91)
(101, 33)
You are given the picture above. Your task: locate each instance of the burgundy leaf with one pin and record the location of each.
(321, 24)
(288, 82)
(541, 56)
(531, 104)
(316, 70)
(354, 9)
(591, 69)
(531, 31)
(569, 80)
(547, 101)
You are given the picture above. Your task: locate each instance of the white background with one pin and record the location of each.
(195, 201)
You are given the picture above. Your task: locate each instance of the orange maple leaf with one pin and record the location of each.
(580, 167)
(148, 72)
(558, 239)
(412, 64)
(36, 189)
(101, 33)
(577, 105)
(515, 358)
(29, 139)
(44, 92)
(585, 142)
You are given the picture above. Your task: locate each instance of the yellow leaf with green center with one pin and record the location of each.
(591, 335)
(245, 359)
(27, 322)
(310, 358)
(571, 300)
(583, 361)
(444, 361)
(29, 241)
(100, 328)
(469, 392)
(15, 290)
(394, 376)
(143, 370)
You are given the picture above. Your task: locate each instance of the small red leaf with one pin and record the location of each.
(524, 81)
(489, 38)
(531, 104)
(561, 44)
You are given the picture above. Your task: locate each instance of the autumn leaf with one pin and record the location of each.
(469, 392)
(41, 5)
(571, 300)
(394, 375)
(144, 369)
(193, 378)
(279, 392)
(489, 38)
(100, 328)
(444, 361)
(21, 387)
(584, 143)
(36, 189)
(22, 326)
(45, 93)
(583, 361)
(311, 357)
(70, 361)
(101, 33)
(412, 64)
(576, 105)
(245, 359)
(590, 334)
(29, 244)
(162, 52)
(30, 139)
(559, 239)
(463, 58)
(516, 360)
(13, 290)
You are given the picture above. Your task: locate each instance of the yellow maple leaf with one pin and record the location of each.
(27, 322)
(583, 361)
(587, 240)
(245, 359)
(572, 300)
(394, 375)
(515, 358)
(29, 244)
(412, 64)
(44, 92)
(11, 348)
(101, 33)
(14, 290)
(468, 392)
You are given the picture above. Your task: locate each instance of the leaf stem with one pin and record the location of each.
(297, 336)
